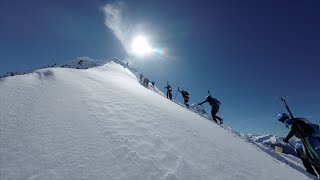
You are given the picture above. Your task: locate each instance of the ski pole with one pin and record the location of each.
(292, 146)
(203, 109)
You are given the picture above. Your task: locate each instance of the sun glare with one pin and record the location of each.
(140, 46)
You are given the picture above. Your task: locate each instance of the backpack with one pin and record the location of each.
(305, 127)
(217, 101)
(213, 101)
(185, 93)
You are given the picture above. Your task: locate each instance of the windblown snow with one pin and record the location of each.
(101, 123)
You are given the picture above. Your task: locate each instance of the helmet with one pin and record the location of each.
(283, 116)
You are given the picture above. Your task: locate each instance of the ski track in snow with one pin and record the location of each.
(101, 123)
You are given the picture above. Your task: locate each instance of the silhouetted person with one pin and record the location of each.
(309, 134)
(146, 82)
(185, 96)
(169, 91)
(215, 105)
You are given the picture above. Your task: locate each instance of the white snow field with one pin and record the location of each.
(100, 123)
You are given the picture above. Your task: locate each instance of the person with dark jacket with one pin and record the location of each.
(169, 91)
(185, 96)
(215, 105)
(309, 133)
(146, 82)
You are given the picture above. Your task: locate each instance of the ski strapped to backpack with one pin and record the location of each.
(312, 161)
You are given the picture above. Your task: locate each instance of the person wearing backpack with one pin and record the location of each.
(146, 82)
(309, 133)
(141, 78)
(185, 96)
(215, 105)
(169, 91)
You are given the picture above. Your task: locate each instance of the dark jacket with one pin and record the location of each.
(169, 89)
(300, 127)
(212, 101)
(184, 94)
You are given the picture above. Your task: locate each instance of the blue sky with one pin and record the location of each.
(245, 52)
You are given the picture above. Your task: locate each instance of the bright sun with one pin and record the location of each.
(140, 46)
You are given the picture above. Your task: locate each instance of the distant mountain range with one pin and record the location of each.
(270, 141)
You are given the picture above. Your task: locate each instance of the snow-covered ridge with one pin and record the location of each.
(78, 63)
(101, 123)
(82, 63)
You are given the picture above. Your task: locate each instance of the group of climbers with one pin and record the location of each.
(309, 134)
(145, 81)
(214, 103)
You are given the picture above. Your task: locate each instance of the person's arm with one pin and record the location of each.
(292, 132)
(289, 136)
(202, 102)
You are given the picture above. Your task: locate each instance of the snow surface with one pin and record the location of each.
(101, 123)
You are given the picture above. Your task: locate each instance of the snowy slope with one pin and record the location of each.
(267, 144)
(100, 123)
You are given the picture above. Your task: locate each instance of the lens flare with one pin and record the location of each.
(161, 53)
(140, 46)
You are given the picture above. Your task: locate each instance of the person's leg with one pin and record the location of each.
(313, 145)
(317, 168)
(186, 100)
(307, 165)
(213, 114)
(220, 119)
